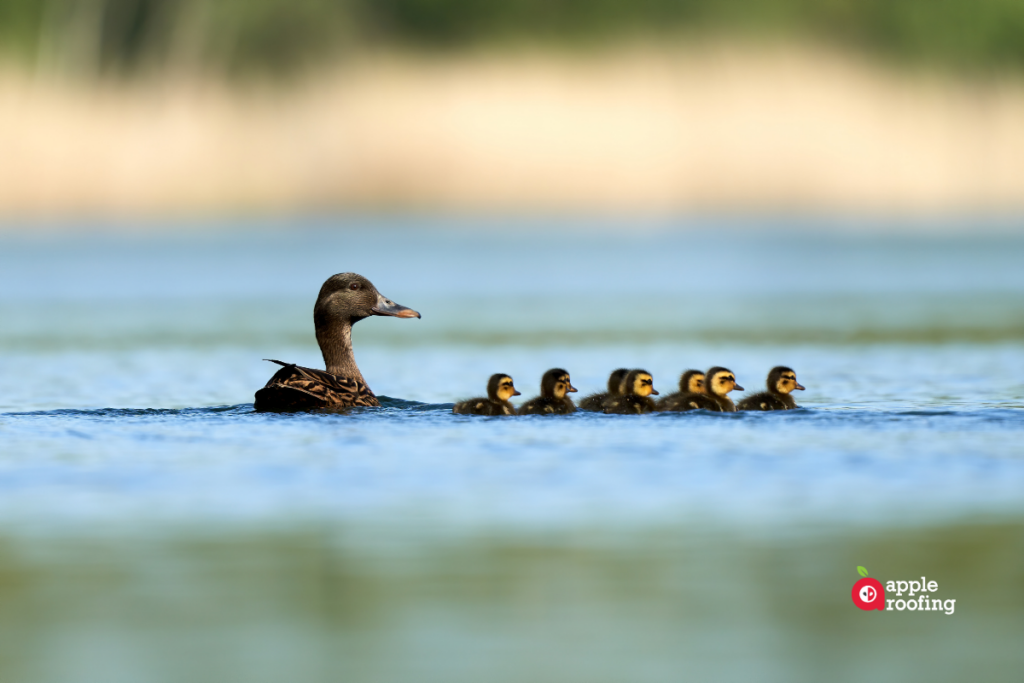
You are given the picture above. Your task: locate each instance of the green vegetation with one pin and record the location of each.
(111, 36)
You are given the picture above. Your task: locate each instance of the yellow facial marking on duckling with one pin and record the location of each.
(506, 389)
(643, 385)
(560, 388)
(696, 384)
(723, 382)
(786, 383)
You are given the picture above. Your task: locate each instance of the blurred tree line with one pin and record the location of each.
(260, 36)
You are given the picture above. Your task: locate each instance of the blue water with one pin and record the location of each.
(155, 528)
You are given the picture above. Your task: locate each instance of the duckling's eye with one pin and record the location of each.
(354, 286)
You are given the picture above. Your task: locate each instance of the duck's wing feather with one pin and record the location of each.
(294, 387)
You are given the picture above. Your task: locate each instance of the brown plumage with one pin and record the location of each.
(344, 300)
(637, 388)
(499, 390)
(554, 386)
(596, 401)
(781, 381)
(690, 382)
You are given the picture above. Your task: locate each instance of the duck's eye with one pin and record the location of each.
(354, 286)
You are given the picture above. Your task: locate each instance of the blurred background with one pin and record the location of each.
(144, 107)
(834, 185)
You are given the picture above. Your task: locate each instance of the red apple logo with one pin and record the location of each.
(868, 593)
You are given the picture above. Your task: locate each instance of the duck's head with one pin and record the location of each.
(615, 380)
(351, 297)
(692, 382)
(639, 383)
(782, 380)
(555, 384)
(500, 388)
(720, 381)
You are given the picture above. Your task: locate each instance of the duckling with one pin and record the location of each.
(636, 399)
(690, 382)
(499, 390)
(781, 381)
(719, 382)
(552, 400)
(596, 401)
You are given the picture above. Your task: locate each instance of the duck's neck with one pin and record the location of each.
(335, 339)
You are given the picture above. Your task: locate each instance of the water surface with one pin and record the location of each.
(156, 528)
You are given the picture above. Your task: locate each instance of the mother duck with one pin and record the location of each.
(345, 299)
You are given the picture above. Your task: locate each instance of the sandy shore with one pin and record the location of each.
(634, 131)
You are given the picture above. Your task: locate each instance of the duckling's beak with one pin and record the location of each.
(389, 307)
(516, 392)
(571, 389)
(737, 387)
(799, 387)
(654, 391)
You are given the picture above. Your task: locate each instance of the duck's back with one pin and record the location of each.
(766, 400)
(483, 406)
(629, 405)
(294, 388)
(547, 406)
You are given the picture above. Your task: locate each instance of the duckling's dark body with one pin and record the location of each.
(637, 388)
(552, 400)
(767, 400)
(543, 405)
(595, 402)
(781, 381)
(690, 382)
(718, 404)
(498, 385)
(344, 299)
(483, 406)
(629, 405)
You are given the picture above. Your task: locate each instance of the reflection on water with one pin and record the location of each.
(155, 528)
(358, 602)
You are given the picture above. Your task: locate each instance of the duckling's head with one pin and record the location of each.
(692, 382)
(555, 384)
(782, 380)
(639, 383)
(500, 387)
(720, 381)
(615, 380)
(351, 297)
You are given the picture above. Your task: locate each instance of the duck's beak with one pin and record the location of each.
(389, 307)
(654, 391)
(571, 389)
(799, 387)
(516, 392)
(737, 387)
